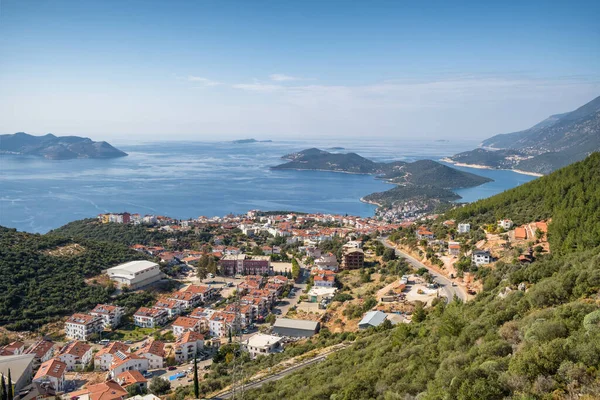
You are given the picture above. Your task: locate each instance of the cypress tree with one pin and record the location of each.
(10, 394)
(3, 388)
(196, 384)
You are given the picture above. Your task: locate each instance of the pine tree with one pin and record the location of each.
(196, 384)
(10, 394)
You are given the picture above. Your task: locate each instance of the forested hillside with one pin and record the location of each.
(570, 196)
(42, 276)
(127, 234)
(539, 343)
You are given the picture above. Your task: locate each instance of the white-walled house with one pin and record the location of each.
(76, 355)
(53, 372)
(111, 315)
(127, 362)
(261, 344)
(106, 355)
(481, 257)
(146, 317)
(464, 228)
(82, 326)
(188, 345)
(154, 352)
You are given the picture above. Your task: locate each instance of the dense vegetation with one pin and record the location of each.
(129, 234)
(428, 194)
(570, 196)
(431, 173)
(42, 276)
(539, 343)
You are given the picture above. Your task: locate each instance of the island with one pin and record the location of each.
(420, 185)
(246, 141)
(57, 147)
(553, 143)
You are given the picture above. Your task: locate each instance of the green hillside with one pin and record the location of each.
(540, 343)
(42, 277)
(570, 196)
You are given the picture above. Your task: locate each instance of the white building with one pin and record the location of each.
(464, 228)
(81, 326)
(106, 355)
(185, 324)
(481, 257)
(76, 355)
(53, 372)
(127, 362)
(135, 274)
(111, 315)
(42, 350)
(146, 317)
(261, 344)
(506, 224)
(154, 352)
(327, 261)
(188, 345)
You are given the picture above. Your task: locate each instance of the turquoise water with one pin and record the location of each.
(186, 180)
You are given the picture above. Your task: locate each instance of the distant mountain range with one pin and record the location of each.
(57, 147)
(419, 179)
(557, 141)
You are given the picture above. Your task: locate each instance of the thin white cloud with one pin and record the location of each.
(284, 78)
(203, 81)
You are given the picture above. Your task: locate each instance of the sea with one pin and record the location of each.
(191, 179)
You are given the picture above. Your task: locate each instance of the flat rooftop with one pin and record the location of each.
(295, 324)
(134, 266)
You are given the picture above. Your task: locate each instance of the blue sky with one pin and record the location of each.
(210, 70)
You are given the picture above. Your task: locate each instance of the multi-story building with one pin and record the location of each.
(454, 248)
(154, 352)
(464, 228)
(481, 257)
(135, 274)
(324, 278)
(127, 362)
(187, 300)
(206, 293)
(172, 307)
(111, 315)
(76, 355)
(146, 317)
(43, 350)
(105, 356)
(53, 372)
(353, 258)
(13, 349)
(327, 261)
(185, 324)
(243, 264)
(505, 224)
(222, 323)
(82, 326)
(188, 345)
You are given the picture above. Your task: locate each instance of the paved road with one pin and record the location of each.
(445, 283)
(277, 376)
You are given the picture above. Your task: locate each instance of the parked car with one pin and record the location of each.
(172, 368)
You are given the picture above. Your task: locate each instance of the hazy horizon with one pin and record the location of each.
(152, 71)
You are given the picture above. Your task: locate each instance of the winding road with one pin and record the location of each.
(445, 283)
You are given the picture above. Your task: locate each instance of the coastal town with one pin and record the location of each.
(262, 282)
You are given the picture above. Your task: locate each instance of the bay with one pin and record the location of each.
(189, 179)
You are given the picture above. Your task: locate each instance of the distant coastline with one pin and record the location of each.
(477, 166)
